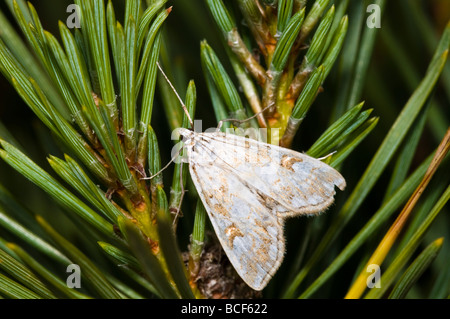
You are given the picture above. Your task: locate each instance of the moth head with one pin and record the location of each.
(185, 134)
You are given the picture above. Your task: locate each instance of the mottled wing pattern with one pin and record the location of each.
(250, 232)
(248, 188)
(296, 181)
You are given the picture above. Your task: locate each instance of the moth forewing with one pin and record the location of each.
(295, 180)
(248, 188)
(250, 233)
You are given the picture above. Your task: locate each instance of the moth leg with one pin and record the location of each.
(110, 192)
(165, 167)
(326, 156)
(177, 211)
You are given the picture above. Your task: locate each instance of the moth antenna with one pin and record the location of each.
(242, 121)
(176, 93)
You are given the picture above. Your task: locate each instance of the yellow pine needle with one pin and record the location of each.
(386, 243)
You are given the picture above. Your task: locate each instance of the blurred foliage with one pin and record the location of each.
(383, 105)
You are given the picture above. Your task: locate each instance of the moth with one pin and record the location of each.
(248, 189)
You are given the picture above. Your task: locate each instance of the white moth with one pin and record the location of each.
(248, 188)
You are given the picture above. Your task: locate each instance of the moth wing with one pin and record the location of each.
(250, 232)
(296, 181)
